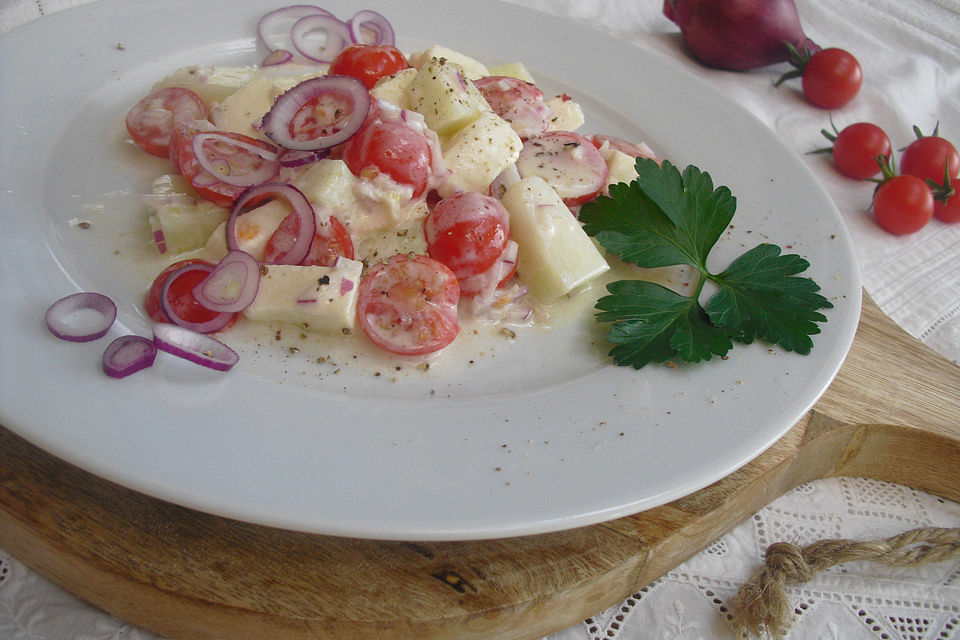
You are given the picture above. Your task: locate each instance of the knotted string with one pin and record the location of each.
(761, 605)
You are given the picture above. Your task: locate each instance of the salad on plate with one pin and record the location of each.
(347, 188)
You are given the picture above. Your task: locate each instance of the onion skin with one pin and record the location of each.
(738, 35)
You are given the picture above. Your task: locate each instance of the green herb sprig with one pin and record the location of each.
(665, 218)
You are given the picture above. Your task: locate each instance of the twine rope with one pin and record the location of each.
(761, 605)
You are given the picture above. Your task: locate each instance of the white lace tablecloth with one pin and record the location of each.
(910, 53)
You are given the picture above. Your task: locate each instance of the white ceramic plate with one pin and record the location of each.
(536, 435)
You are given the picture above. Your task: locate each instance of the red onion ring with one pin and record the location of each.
(374, 22)
(274, 27)
(195, 347)
(301, 208)
(128, 354)
(337, 37)
(220, 168)
(69, 317)
(232, 285)
(276, 122)
(293, 159)
(217, 322)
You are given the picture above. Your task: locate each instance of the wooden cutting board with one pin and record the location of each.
(893, 413)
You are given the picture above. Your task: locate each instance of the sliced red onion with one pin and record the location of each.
(302, 209)
(195, 347)
(81, 317)
(217, 322)
(337, 37)
(220, 167)
(368, 19)
(128, 354)
(276, 122)
(232, 285)
(280, 56)
(293, 159)
(159, 238)
(274, 27)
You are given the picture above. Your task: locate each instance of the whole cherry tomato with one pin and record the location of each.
(830, 77)
(856, 148)
(903, 204)
(930, 158)
(949, 210)
(368, 62)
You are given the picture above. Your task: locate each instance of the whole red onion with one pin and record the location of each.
(738, 34)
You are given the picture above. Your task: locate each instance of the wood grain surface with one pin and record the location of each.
(893, 413)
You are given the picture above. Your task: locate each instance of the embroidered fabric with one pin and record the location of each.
(855, 601)
(911, 59)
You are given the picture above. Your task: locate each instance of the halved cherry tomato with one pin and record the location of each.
(181, 295)
(519, 103)
(239, 159)
(321, 116)
(408, 305)
(389, 145)
(368, 62)
(568, 161)
(636, 150)
(474, 285)
(151, 121)
(330, 241)
(467, 232)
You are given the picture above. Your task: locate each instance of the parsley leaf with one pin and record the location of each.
(666, 218)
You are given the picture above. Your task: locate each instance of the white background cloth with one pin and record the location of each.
(910, 53)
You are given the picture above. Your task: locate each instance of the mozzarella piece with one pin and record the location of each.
(473, 68)
(445, 97)
(567, 114)
(555, 256)
(478, 153)
(320, 299)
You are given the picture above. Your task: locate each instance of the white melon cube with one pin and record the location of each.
(473, 68)
(620, 166)
(212, 84)
(395, 89)
(567, 114)
(445, 97)
(320, 299)
(181, 221)
(555, 256)
(242, 110)
(254, 229)
(361, 204)
(478, 153)
(330, 183)
(514, 70)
